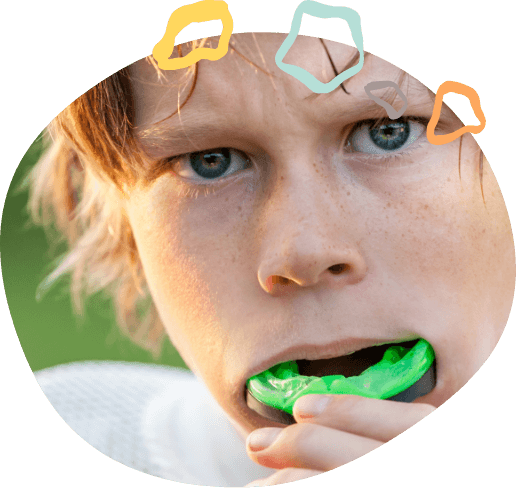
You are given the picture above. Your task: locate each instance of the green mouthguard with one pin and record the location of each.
(400, 367)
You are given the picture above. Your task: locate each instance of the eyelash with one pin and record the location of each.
(194, 190)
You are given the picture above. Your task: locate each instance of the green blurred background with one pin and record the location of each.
(48, 330)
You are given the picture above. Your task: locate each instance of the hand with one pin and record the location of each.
(331, 430)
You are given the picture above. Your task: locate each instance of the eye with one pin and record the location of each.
(385, 137)
(210, 164)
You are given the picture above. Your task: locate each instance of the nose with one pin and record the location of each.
(307, 245)
(311, 266)
(306, 232)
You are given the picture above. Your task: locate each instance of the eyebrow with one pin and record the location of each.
(196, 126)
(153, 136)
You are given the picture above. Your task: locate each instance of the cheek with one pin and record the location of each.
(176, 276)
(492, 255)
(454, 254)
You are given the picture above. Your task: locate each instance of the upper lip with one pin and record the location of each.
(326, 351)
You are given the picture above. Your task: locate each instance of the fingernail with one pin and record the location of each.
(311, 405)
(262, 438)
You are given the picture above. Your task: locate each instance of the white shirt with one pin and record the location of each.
(156, 419)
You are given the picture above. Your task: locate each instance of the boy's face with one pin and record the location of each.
(301, 235)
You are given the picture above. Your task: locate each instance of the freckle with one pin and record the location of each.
(426, 207)
(347, 193)
(388, 204)
(226, 199)
(239, 208)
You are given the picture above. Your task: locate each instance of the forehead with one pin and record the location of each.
(247, 82)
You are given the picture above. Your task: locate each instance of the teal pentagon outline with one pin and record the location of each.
(321, 11)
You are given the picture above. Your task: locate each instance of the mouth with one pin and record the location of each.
(349, 356)
(397, 371)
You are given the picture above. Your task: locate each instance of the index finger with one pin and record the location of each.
(368, 417)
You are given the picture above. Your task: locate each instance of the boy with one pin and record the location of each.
(270, 224)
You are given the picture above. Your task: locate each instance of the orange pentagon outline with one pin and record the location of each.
(475, 103)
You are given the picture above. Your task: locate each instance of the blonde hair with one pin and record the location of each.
(76, 190)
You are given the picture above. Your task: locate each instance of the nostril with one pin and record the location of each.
(277, 280)
(339, 268)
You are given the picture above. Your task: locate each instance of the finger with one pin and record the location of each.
(367, 417)
(307, 446)
(285, 476)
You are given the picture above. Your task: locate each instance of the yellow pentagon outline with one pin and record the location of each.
(202, 11)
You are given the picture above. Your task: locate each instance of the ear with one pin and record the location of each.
(76, 163)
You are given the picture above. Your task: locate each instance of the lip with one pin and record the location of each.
(313, 352)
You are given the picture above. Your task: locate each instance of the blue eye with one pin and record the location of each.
(386, 137)
(211, 164)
